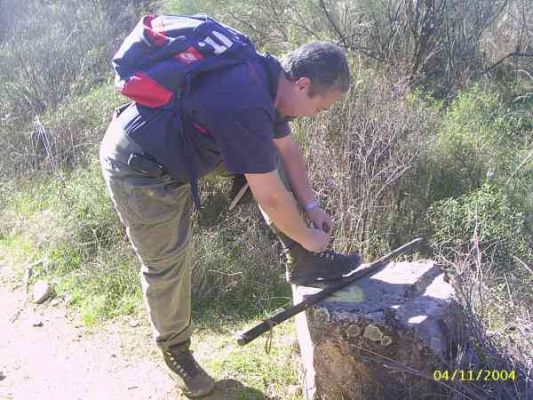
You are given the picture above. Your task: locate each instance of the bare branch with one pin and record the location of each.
(334, 25)
(513, 54)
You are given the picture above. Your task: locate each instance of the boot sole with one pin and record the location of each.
(201, 393)
(304, 280)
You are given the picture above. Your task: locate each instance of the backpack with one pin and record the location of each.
(157, 60)
(154, 67)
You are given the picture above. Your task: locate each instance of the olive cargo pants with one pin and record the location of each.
(156, 212)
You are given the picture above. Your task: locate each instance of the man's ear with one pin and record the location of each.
(303, 83)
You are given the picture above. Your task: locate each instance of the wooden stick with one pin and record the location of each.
(251, 334)
(238, 196)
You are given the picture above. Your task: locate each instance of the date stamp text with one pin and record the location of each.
(470, 375)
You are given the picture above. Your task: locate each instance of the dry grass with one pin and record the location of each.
(359, 151)
(500, 324)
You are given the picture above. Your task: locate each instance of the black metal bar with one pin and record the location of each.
(251, 334)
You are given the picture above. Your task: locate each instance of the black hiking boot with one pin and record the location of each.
(305, 267)
(186, 372)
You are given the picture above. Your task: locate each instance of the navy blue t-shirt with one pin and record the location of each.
(227, 116)
(230, 117)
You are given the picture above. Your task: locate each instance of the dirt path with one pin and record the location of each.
(63, 360)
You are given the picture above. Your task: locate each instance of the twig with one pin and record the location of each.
(238, 196)
(523, 263)
(27, 275)
(508, 289)
(524, 162)
(225, 273)
(333, 24)
(513, 54)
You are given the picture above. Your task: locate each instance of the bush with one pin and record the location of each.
(438, 45)
(66, 137)
(359, 153)
(56, 50)
(481, 139)
(50, 53)
(498, 225)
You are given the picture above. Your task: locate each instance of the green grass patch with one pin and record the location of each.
(275, 375)
(67, 220)
(20, 249)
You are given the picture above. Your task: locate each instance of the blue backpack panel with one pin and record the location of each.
(156, 61)
(154, 67)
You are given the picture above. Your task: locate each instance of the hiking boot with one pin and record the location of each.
(186, 372)
(305, 267)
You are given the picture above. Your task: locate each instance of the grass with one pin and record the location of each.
(67, 221)
(496, 300)
(238, 280)
(276, 375)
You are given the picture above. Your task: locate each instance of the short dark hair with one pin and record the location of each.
(323, 63)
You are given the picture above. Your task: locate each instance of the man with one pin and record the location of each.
(235, 119)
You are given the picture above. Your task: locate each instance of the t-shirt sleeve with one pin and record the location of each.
(245, 139)
(281, 127)
(281, 130)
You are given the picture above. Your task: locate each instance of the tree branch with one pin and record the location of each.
(333, 24)
(513, 54)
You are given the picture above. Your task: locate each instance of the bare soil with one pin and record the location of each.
(62, 359)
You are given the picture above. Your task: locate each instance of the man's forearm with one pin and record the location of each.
(284, 213)
(278, 204)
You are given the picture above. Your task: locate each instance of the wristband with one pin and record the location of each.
(311, 206)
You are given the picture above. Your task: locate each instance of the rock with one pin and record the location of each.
(134, 323)
(37, 323)
(359, 343)
(68, 299)
(41, 291)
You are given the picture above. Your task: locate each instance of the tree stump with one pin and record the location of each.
(382, 337)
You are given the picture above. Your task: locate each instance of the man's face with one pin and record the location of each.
(298, 102)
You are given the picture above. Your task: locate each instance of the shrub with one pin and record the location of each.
(481, 139)
(358, 154)
(66, 137)
(51, 52)
(498, 223)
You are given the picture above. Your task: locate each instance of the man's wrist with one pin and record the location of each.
(311, 205)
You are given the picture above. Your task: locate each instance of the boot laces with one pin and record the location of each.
(184, 363)
(327, 254)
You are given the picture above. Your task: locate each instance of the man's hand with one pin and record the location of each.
(320, 219)
(316, 240)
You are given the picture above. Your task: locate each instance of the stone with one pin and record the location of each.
(37, 323)
(41, 291)
(68, 299)
(359, 342)
(386, 340)
(353, 330)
